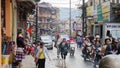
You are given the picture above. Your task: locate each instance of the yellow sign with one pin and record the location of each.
(89, 10)
(105, 10)
(106, 16)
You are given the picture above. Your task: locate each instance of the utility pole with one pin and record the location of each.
(36, 20)
(83, 18)
(70, 18)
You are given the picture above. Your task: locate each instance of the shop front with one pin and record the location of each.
(12, 12)
(6, 33)
(90, 19)
(0, 33)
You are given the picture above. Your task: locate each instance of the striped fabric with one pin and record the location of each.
(20, 54)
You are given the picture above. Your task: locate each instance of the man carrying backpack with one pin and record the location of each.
(79, 40)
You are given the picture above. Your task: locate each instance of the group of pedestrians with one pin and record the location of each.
(39, 52)
(92, 49)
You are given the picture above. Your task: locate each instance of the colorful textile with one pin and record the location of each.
(20, 54)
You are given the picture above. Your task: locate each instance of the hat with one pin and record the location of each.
(115, 40)
(97, 36)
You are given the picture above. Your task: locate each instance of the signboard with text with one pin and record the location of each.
(103, 12)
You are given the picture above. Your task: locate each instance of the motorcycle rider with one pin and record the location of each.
(86, 48)
(72, 44)
(97, 51)
(103, 48)
(113, 48)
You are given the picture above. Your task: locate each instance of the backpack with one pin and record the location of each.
(79, 39)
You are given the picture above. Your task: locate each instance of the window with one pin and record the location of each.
(91, 3)
(99, 1)
(113, 1)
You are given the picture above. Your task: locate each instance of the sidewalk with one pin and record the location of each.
(28, 62)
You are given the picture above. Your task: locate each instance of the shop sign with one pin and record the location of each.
(89, 10)
(99, 12)
(113, 26)
(106, 11)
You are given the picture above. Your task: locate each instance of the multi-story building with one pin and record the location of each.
(47, 16)
(100, 12)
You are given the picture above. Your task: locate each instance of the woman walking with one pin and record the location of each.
(63, 48)
(19, 52)
(42, 54)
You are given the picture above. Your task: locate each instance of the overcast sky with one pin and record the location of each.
(63, 3)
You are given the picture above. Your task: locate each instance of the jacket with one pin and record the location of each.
(110, 48)
(63, 48)
(20, 42)
(45, 51)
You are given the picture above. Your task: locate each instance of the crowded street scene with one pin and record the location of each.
(60, 33)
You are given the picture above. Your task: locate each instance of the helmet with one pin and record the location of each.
(97, 36)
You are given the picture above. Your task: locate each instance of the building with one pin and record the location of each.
(101, 11)
(0, 35)
(47, 16)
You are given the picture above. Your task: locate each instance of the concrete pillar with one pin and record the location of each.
(0, 35)
(14, 34)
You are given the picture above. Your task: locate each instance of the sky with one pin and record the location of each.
(64, 3)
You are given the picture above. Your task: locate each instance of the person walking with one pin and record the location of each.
(63, 48)
(42, 54)
(57, 43)
(20, 52)
(79, 40)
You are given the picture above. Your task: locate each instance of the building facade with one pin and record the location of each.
(100, 12)
(0, 35)
(47, 17)
(14, 15)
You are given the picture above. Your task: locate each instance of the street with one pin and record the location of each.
(71, 62)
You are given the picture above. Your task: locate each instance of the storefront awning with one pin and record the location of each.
(28, 4)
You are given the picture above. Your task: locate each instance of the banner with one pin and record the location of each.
(99, 12)
(106, 11)
(89, 10)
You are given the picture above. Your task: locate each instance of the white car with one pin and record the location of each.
(47, 40)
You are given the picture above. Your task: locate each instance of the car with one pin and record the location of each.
(47, 40)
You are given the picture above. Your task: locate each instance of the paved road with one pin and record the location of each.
(71, 62)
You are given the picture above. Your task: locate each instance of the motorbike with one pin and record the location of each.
(72, 49)
(88, 52)
(97, 57)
